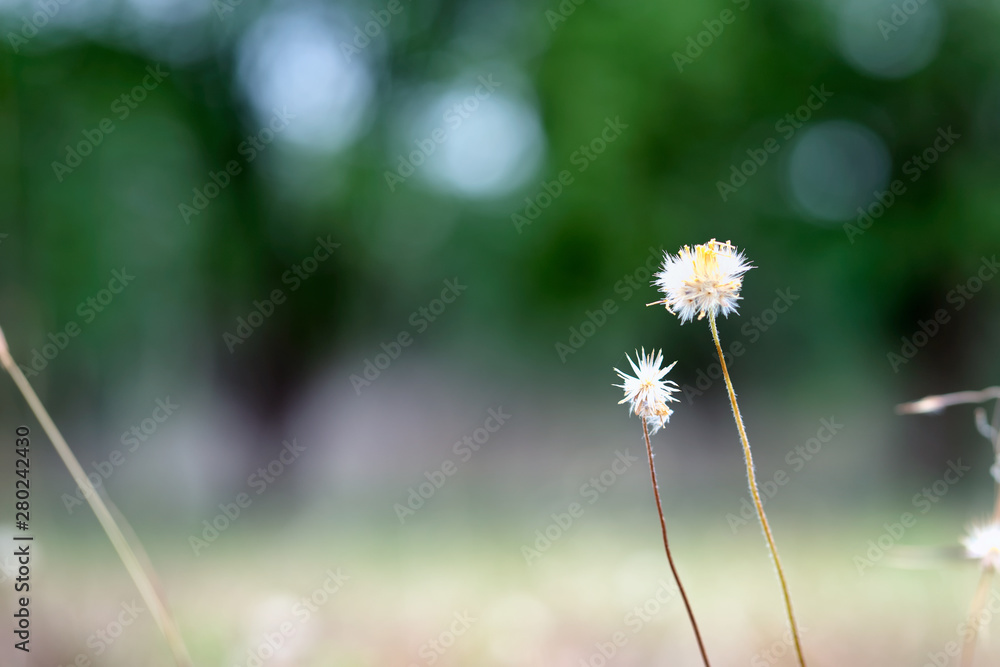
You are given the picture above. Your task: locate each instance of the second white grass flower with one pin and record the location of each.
(983, 544)
(704, 280)
(648, 393)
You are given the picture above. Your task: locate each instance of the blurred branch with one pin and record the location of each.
(939, 403)
(983, 424)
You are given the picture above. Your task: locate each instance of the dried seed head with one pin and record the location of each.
(705, 280)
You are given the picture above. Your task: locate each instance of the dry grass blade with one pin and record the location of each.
(142, 580)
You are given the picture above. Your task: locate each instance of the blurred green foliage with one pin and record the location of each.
(655, 186)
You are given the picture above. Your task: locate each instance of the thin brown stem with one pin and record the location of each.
(666, 545)
(978, 601)
(132, 563)
(752, 480)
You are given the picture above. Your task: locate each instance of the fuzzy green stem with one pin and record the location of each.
(666, 545)
(755, 493)
(128, 557)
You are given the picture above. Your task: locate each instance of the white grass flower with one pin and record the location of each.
(983, 544)
(705, 280)
(648, 393)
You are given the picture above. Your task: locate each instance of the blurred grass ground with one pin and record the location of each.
(406, 586)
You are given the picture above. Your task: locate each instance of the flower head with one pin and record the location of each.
(983, 544)
(648, 393)
(705, 280)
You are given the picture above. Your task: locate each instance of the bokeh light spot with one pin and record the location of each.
(835, 167)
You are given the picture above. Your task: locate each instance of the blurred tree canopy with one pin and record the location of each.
(694, 90)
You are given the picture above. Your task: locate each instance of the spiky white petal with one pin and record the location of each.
(704, 280)
(648, 393)
(983, 544)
